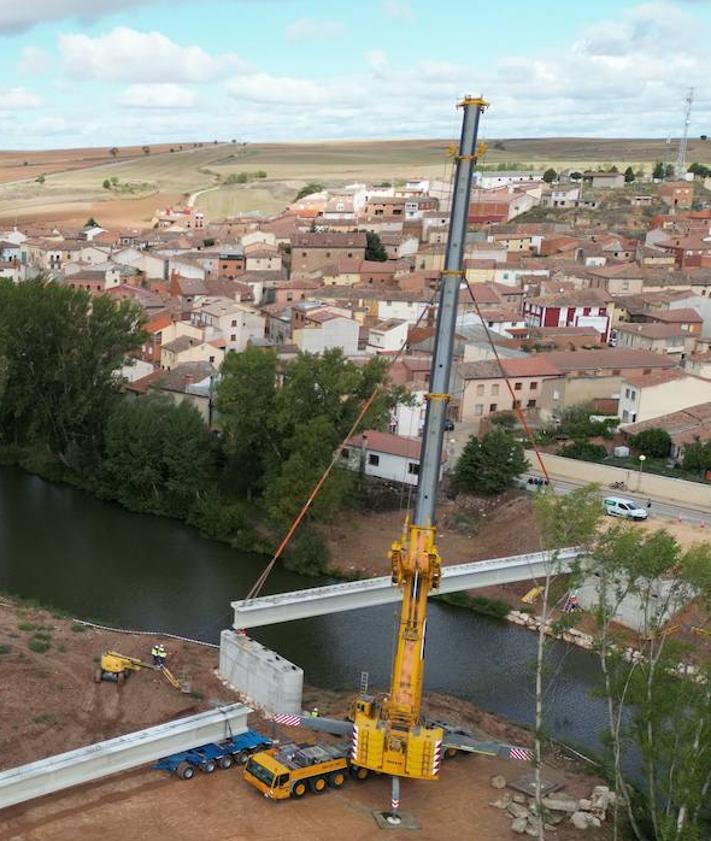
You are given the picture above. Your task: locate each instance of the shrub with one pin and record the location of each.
(4, 649)
(584, 451)
(26, 626)
(216, 519)
(39, 646)
(77, 627)
(654, 442)
(308, 554)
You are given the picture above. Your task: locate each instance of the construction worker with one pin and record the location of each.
(162, 655)
(155, 654)
(314, 712)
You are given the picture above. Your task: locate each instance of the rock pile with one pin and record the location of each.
(583, 813)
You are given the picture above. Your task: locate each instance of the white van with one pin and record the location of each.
(615, 506)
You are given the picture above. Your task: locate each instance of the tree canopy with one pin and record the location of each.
(653, 442)
(61, 348)
(489, 465)
(309, 189)
(550, 175)
(374, 249)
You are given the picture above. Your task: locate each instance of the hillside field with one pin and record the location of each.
(73, 186)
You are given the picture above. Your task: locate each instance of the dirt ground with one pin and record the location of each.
(360, 545)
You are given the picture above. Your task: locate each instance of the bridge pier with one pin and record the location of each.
(270, 682)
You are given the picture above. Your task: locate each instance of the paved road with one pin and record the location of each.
(660, 508)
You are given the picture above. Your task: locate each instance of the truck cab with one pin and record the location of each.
(292, 769)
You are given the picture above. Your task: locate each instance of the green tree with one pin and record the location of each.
(40, 179)
(697, 457)
(246, 402)
(62, 348)
(113, 151)
(158, 456)
(374, 249)
(146, 150)
(107, 184)
(309, 189)
(576, 176)
(91, 223)
(658, 171)
(489, 465)
(550, 175)
(583, 450)
(629, 175)
(653, 710)
(669, 171)
(653, 442)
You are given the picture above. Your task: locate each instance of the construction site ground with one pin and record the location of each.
(50, 704)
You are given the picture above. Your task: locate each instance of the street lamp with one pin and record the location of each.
(642, 460)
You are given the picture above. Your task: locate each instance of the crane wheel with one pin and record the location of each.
(337, 779)
(318, 785)
(359, 773)
(450, 753)
(298, 789)
(185, 771)
(226, 761)
(98, 675)
(121, 678)
(208, 766)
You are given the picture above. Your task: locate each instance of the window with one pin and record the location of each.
(647, 371)
(479, 389)
(234, 323)
(627, 393)
(518, 386)
(478, 409)
(533, 386)
(615, 372)
(233, 337)
(212, 359)
(374, 460)
(492, 407)
(531, 404)
(413, 468)
(495, 390)
(633, 395)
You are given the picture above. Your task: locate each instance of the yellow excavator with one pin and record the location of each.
(117, 667)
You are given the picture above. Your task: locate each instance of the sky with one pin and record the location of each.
(117, 72)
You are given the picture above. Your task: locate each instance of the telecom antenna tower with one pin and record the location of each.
(680, 168)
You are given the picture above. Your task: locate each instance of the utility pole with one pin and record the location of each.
(680, 168)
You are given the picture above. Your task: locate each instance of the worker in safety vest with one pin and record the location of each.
(155, 654)
(162, 655)
(314, 712)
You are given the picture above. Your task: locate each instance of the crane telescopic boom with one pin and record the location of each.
(390, 737)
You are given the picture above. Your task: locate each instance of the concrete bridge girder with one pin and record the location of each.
(352, 595)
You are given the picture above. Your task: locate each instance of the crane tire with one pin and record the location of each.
(298, 789)
(337, 779)
(318, 785)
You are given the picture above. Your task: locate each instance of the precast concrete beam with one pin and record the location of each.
(120, 754)
(334, 598)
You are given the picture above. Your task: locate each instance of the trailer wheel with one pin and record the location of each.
(242, 757)
(98, 675)
(318, 785)
(121, 678)
(298, 789)
(450, 753)
(337, 779)
(185, 771)
(226, 761)
(208, 766)
(359, 773)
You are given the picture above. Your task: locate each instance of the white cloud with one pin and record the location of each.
(306, 29)
(125, 54)
(287, 90)
(18, 15)
(34, 60)
(398, 10)
(157, 96)
(16, 99)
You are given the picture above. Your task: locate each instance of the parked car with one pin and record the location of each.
(616, 506)
(448, 425)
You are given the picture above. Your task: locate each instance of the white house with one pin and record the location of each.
(387, 336)
(315, 329)
(660, 393)
(222, 318)
(393, 458)
(488, 180)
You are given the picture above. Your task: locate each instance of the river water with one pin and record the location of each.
(96, 560)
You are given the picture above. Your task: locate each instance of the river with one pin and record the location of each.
(93, 559)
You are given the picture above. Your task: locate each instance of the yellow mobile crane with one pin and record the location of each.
(390, 737)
